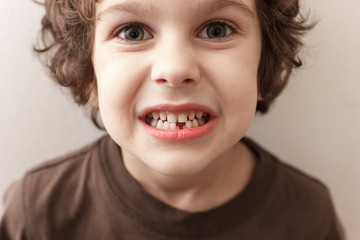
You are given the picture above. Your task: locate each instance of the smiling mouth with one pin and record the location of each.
(167, 120)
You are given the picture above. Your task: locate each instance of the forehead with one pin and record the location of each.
(154, 7)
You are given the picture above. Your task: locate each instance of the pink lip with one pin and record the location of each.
(183, 134)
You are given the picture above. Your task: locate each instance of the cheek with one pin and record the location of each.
(118, 80)
(235, 78)
(235, 82)
(118, 83)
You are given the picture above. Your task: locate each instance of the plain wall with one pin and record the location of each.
(314, 125)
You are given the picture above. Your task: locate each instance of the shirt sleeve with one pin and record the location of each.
(13, 222)
(336, 231)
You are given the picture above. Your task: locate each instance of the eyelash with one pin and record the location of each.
(130, 25)
(232, 27)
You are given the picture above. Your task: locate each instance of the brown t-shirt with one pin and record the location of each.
(89, 195)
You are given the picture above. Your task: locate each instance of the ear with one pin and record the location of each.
(93, 99)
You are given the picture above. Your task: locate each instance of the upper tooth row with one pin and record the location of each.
(181, 117)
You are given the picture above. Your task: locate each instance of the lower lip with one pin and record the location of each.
(183, 134)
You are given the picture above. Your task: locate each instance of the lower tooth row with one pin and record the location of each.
(170, 125)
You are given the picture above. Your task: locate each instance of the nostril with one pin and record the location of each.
(186, 81)
(161, 81)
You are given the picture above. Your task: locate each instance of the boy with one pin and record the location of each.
(177, 84)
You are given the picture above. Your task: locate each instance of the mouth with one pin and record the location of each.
(185, 122)
(177, 120)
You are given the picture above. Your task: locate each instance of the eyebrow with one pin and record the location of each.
(206, 7)
(134, 7)
(210, 6)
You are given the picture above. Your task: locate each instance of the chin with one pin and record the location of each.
(178, 166)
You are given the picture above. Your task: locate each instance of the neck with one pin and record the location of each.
(219, 182)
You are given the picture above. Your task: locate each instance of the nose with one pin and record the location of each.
(175, 65)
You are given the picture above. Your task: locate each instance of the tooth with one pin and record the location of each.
(205, 114)
(154, 122)
(188, 124)
(171, 118)
(182, 118)
(160, 124)
(172, 125)
(201, 121)
(195, 123)
(191, 115)
(166, 125)
(199, 115)
(162, 116)
(155, 115)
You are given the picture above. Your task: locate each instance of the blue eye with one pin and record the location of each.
(216, 29)
(133, 32)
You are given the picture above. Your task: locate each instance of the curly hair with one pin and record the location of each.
(67, 35)
(282, 27)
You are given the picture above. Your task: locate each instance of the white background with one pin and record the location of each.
(314, 125)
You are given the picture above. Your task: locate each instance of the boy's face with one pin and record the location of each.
(177, 57)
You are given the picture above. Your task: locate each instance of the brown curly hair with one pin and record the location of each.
(67, 37)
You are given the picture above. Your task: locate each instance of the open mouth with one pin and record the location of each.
(177, 120)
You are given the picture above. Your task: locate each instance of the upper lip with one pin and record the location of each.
(176, 108)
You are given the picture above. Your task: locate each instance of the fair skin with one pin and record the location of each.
(178, 57)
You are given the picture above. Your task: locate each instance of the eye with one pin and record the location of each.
(217, 29)
(132, 32)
